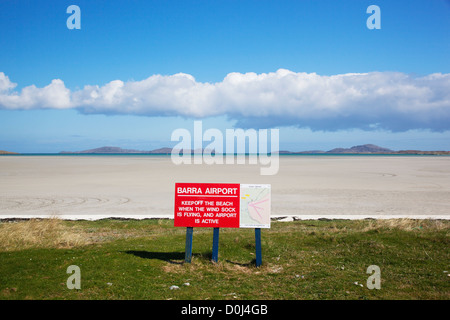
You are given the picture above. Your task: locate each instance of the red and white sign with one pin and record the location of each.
(214, 205)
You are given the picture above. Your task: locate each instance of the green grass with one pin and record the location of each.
(130, 259)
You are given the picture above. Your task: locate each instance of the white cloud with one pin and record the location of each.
(53, 96)
(389, 100)
(5, 83)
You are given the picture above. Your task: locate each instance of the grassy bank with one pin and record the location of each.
(130, 259)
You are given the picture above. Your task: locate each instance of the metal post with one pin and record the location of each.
(215, 248)
(188, 251)
(258, 246)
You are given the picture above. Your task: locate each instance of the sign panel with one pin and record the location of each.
(222, 205)
(255, 206)
(214, 205)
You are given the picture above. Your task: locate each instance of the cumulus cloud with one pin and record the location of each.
(376, 100)
(53, 96)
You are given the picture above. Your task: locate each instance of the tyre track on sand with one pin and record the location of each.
(20, 205)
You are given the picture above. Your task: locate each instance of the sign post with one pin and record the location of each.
(188, 249)
(215, 248)
(258, 246)
(222, 205)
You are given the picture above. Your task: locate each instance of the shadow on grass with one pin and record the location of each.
(178, 257)
(171, 257)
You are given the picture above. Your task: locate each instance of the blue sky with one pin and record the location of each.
(137, 70)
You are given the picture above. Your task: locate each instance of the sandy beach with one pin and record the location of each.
(306, 187)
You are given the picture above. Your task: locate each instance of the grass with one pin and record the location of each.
(132, 259)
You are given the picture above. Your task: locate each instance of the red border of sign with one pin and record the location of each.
(198, 200)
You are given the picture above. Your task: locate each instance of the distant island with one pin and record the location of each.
(7, 152)
(369, 149)
(361, 149)
(106, 150)
(366, 148)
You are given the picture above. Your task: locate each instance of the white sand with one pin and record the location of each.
(75, 187)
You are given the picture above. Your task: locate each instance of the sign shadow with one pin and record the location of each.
(170, 257)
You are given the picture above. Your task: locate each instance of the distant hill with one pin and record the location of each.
(113, 150)
(362, 149)
(7, 152)
(106, 150)
(366, 148)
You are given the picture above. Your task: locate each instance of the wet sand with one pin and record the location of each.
(306, 187)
